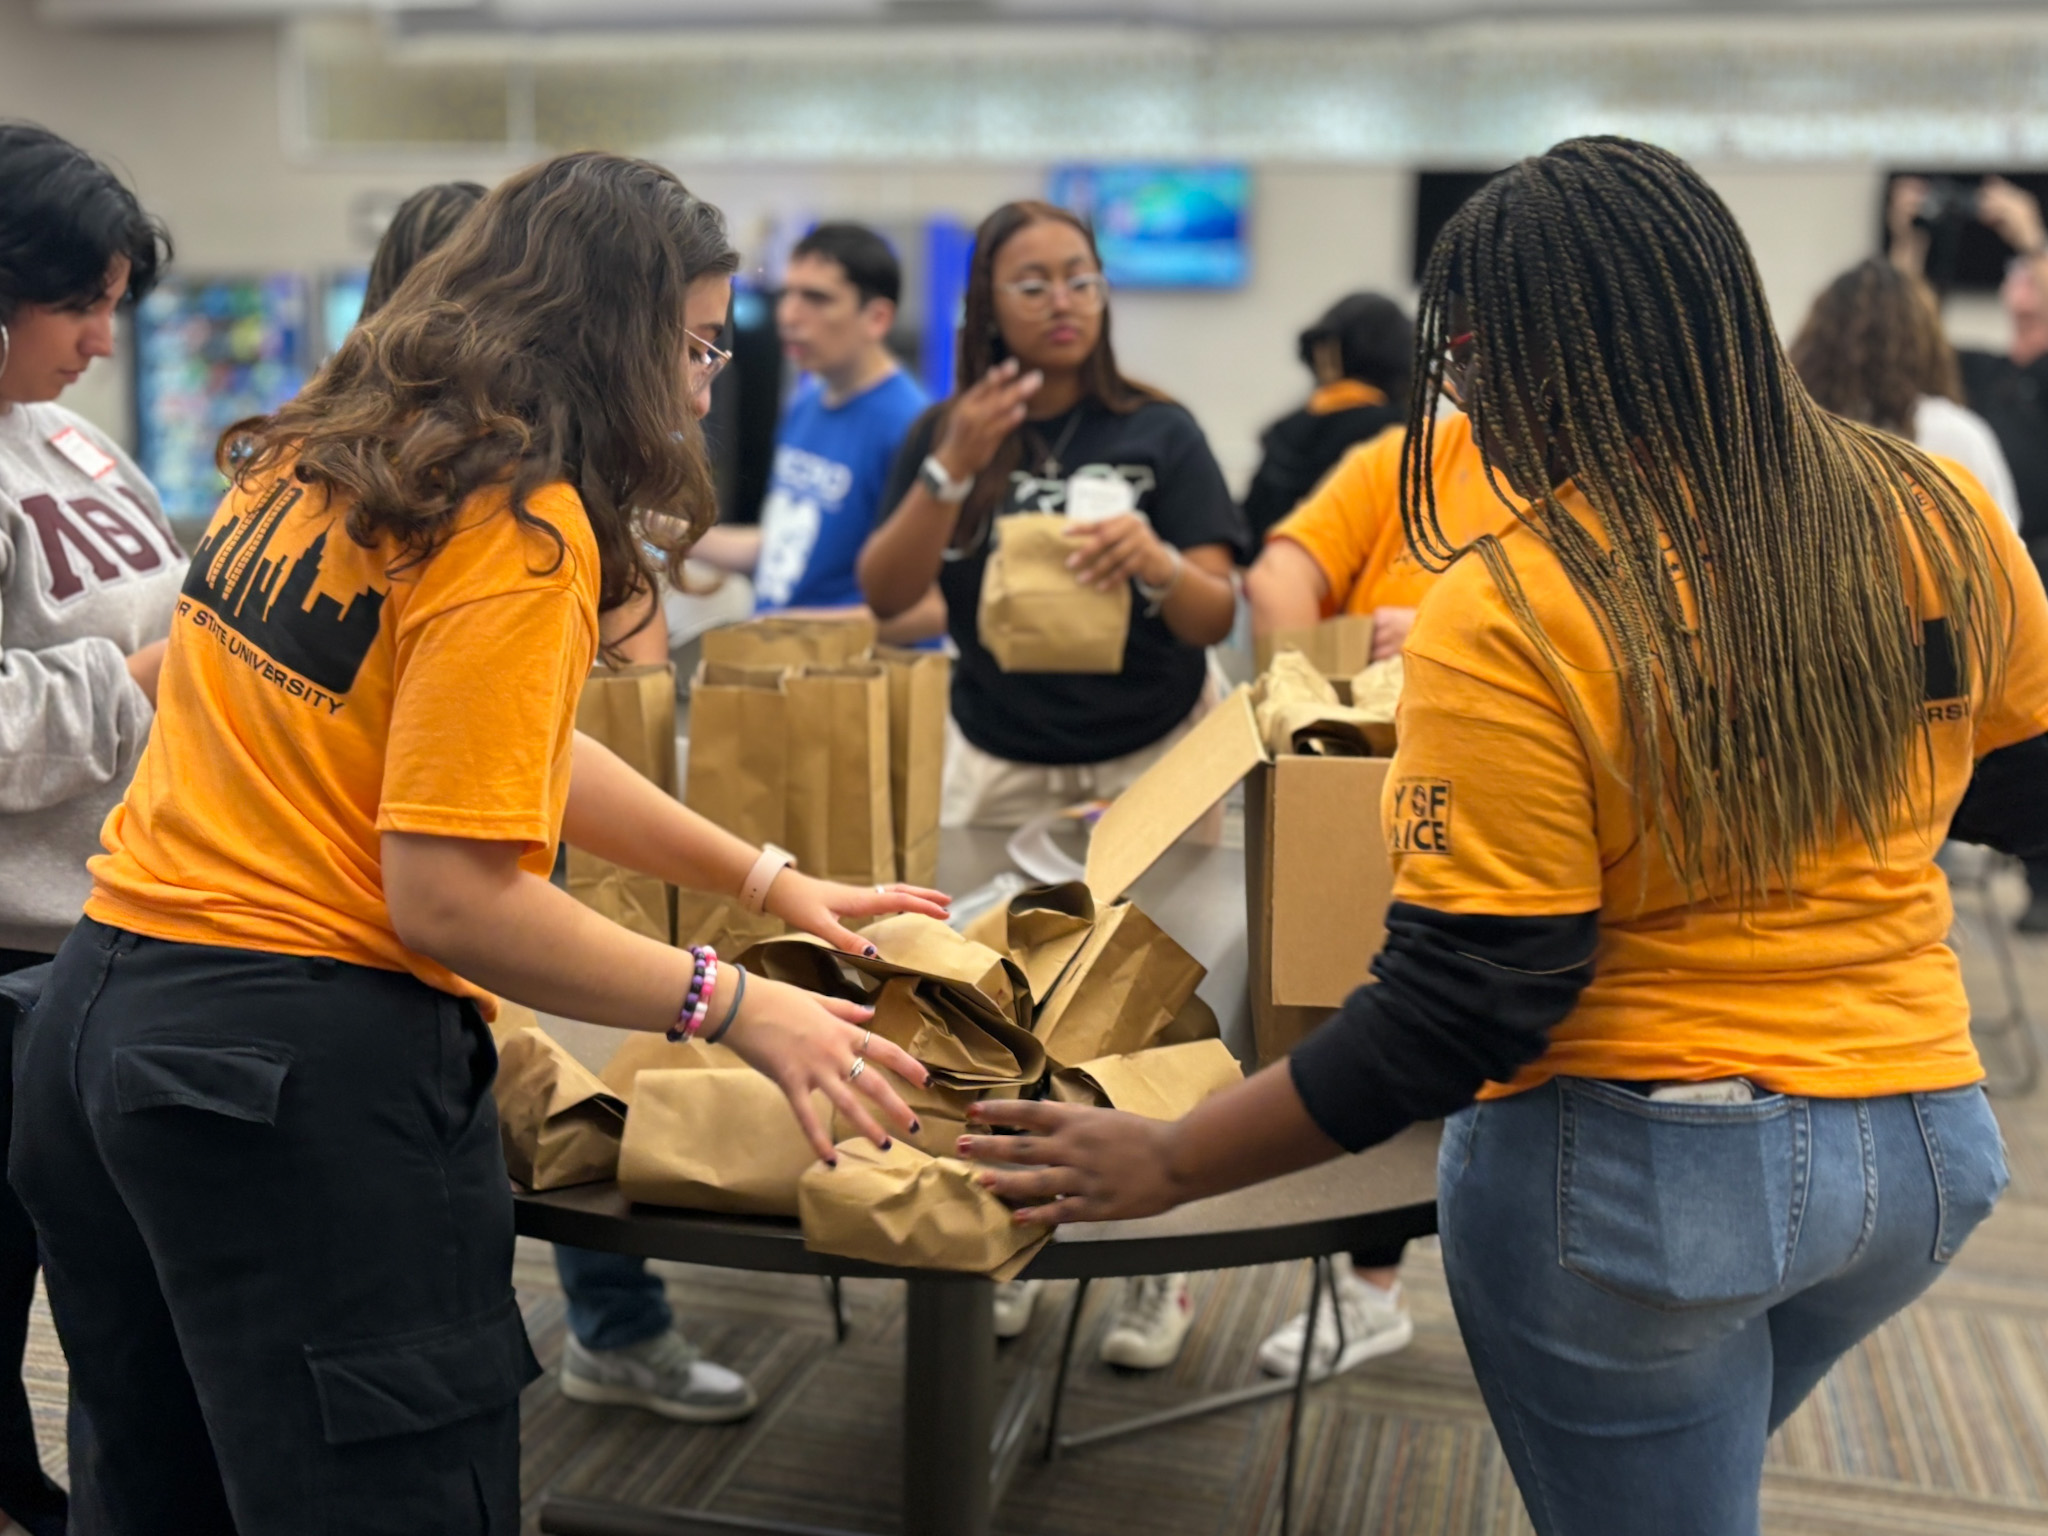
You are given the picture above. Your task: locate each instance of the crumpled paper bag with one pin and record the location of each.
(1041, 930)
(905, 1208)
(1299, 713)
(650, 1051)
(722, 923)
(558, 1123)
(1160, 1084)
(715, 1139)
(1376, 694)
(1121, 991)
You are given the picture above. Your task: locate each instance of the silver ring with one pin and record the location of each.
(862, 1048)
(881, 890)
(860, 1065)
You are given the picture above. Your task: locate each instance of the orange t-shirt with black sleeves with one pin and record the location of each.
(317, 694)
(1351, 525)
(1499, 802)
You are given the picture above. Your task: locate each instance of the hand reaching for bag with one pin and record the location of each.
(1085, 1164)
(806, 1043)
(820, 907)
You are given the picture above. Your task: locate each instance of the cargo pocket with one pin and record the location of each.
(242, 1082)
(1674, 1205)
(1968, 1155)
(409, 1383)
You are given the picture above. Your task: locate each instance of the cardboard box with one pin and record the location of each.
(1339, 647)
(1317, 876)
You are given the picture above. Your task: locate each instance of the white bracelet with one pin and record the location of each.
(754, 889)
(1155, 597)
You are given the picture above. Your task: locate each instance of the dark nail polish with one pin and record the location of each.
(915, 1127)
(831, 1162)
(961, 1146)
(886, 1143)
(872, 951)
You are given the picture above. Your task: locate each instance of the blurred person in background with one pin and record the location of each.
(1872, 349)
(623, 1349)
(2009, 392)
(837, 439)
(1359, 354)
(1345, 550)
(1039, 403)
(1668, 945)
(89, 574)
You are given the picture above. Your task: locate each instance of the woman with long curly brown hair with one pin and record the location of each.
(1872, 349)
(1676, 754)
(257, 1132)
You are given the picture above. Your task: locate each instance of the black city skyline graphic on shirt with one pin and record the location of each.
(264, 600)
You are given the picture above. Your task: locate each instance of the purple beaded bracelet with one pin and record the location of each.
(696, 1003)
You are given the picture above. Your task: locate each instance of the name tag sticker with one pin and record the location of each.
(1096, 498)
(83, 452)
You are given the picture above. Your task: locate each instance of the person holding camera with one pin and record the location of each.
(2010, 392)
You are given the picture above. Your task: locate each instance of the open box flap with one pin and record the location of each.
(1171, 796)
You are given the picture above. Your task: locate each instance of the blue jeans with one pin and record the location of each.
(613, 1300)
(1648, 1289)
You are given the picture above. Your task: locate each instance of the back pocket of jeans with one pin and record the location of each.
(1968, 1156)
(1678, 1205)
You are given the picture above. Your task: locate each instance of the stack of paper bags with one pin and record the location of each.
(632, 710)
(906, 1208)
(804, 734)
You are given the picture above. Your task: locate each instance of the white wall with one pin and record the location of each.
(193, 117)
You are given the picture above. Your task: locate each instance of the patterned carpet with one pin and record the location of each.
(1937, 1425)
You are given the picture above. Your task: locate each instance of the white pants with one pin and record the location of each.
(983, 790)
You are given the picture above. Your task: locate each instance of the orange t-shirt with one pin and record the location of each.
(1843, 987)
(1351, 524)
(314, 698)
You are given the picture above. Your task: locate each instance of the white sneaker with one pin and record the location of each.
(1151, 1324)
(1014, 1301)
(1375, 1324)
(664, 1375)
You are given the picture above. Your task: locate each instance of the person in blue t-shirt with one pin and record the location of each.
(838, 436)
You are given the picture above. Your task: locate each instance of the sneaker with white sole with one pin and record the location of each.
(664, 1375)
(1374, 1324)
(1151, 1324)
(1014, 1301)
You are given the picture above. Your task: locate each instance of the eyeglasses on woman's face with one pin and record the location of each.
(1086, 292)
(706, 361)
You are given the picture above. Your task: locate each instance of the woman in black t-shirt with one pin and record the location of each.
(1039, 405)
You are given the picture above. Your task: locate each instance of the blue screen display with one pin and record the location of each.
(341, 302)
(1163, 226)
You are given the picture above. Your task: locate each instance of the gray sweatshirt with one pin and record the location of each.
(89, 572)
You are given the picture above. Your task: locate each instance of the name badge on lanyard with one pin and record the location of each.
(83, 452)
(1094, 498)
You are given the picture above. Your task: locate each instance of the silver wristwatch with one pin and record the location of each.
(931, 474)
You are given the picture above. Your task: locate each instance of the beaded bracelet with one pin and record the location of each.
(733, 1011)
(697, 1000)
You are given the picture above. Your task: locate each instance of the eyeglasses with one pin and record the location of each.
(1086, 291)
(1455, 380)
(707, 365)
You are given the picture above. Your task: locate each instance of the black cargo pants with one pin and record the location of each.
(278, 1237)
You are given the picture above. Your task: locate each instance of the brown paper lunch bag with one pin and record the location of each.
(558, 1123)
(1163, 1083)
(780, 641)
(722, 923)
(715, 1140)
(650, 1051)
(1336, 647)
(632, 710)
(839, 819)
(738, 769)
(905, 1208)
(1034, 616)
(920, 687)
(1121, 991)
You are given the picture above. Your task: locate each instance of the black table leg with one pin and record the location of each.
(949, 1373)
